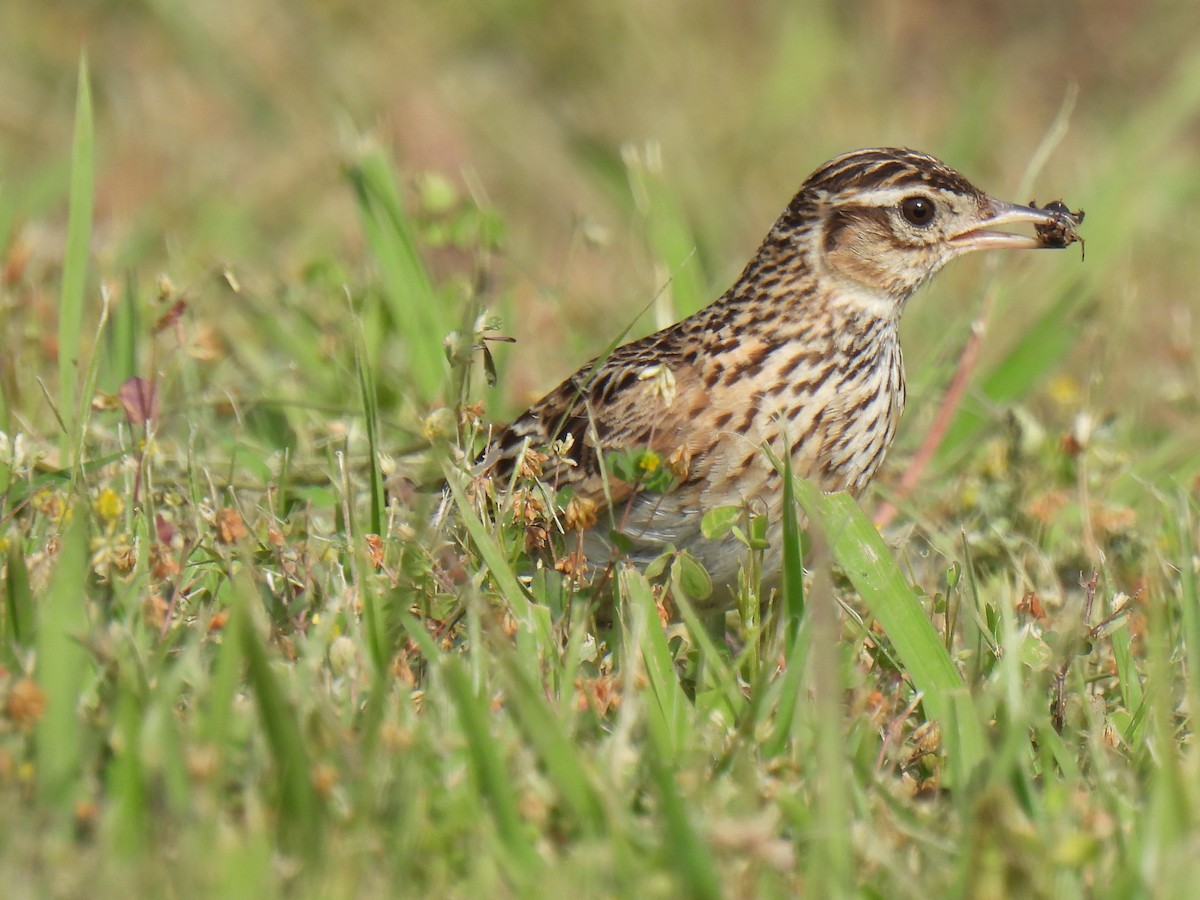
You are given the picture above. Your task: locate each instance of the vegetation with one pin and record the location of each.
(258, 260)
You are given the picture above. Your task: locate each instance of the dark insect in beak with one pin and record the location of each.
(1061, 232)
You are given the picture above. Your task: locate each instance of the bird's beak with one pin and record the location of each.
(1045, 221)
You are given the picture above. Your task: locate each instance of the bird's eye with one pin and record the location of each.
(917, 210)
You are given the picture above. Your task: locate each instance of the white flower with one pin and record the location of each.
(662, 382)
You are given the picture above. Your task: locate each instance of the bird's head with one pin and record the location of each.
(883, 221)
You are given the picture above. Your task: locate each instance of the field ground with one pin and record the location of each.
(235, 658)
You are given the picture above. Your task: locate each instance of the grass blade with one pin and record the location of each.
(793, 560)
(716, 670)
(223, 687)
(300, 820)
(831, 867)
(867, 561)
(534, 619)
(370, 405)
(62, 667)
(126, 781)
(540, 724)
(686, 852)
(18, 625)
(416, 311)
(667, 230)
(1183, 537)
(122, 337)
(75, 264)
(491, 773)
(669, 716)
(791, 693)
(489, 767)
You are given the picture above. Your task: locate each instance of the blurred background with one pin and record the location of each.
(619, 142)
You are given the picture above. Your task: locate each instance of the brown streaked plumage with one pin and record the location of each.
(801, 355)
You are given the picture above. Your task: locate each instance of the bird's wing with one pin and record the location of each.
(634, 399)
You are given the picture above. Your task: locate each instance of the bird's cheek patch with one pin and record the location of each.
(856, 253)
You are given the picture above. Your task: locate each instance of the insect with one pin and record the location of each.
(1061, 232)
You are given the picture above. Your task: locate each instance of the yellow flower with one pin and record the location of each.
(1064, 390)
(439, 425)
(108, 505)
(995, 459)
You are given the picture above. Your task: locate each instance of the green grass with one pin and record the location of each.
(248, 286)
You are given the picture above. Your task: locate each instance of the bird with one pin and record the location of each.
(800, 357)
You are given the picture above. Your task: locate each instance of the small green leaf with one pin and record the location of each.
(621, 541)
(718, 522)
(691, 577)
(658, 565)
(758, 532)
(643, 467)
(660, 480)
(953, 574)
(622, 464)
(551, 590)
(437, 194)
